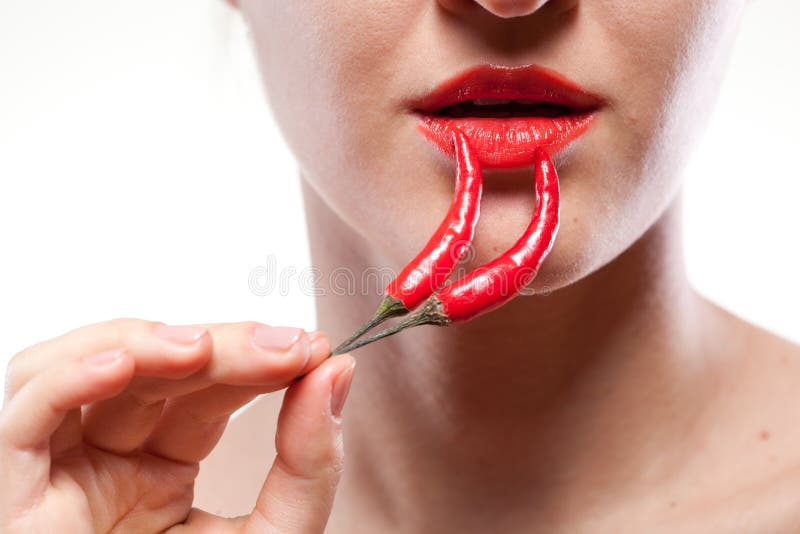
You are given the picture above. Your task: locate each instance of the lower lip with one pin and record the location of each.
(503, 143)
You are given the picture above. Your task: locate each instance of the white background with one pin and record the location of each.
(141, 175)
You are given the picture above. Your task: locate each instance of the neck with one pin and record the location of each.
(549, 405)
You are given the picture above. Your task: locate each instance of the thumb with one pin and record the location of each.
(298, 493)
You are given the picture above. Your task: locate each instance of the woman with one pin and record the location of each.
(617, 400)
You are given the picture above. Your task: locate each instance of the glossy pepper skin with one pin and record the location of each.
(429, 270)
(493, 284)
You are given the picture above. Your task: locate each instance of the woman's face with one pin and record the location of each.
(339, 76)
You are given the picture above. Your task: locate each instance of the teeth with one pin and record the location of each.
(490, 101)
(528, 102)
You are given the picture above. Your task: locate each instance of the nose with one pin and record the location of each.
(499, 8)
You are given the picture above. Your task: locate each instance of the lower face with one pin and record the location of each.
(340, 76)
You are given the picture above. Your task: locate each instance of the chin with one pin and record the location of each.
(577, 254)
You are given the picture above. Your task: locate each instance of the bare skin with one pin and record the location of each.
(617, 400)
(630, 404)
(622, 401)
(103, 428)
(607, 401)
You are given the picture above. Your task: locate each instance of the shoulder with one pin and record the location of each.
(755, 348)
(770, 505)
(770, 364)
(760, 392)
(741, 472)
(760, 401)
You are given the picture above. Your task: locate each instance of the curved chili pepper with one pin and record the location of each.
(429, 270)
(493, 284)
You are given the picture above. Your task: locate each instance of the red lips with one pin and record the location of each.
(507, 112)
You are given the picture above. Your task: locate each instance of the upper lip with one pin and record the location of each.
(526, 82)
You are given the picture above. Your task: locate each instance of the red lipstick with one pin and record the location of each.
(507, 112)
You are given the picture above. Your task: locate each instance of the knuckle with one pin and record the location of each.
(337, 454)
(319, 461)
(5, 430)
(208, 421)
(14, 363)
(125, 324)
(14, 375)
(331, 463)
(232, 335)
(123, 328)
(336, 466)
(247, 326)
(333, 470)
(143, 400)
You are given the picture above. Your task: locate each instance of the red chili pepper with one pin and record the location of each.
(490, 286)
(429, 270)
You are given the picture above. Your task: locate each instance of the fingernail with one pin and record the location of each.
(340, 388)
(104, 358)
(182, 335)
(276, 338)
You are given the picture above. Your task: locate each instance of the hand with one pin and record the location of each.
(104, 427)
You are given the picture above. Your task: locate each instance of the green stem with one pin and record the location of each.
(430, 313)
(389, 307)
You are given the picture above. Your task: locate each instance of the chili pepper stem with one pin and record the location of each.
(389, 307)
(430, 313)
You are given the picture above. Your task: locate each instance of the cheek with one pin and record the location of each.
(661, 63)
(335, 95)
(665, 60)
(328, 68)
